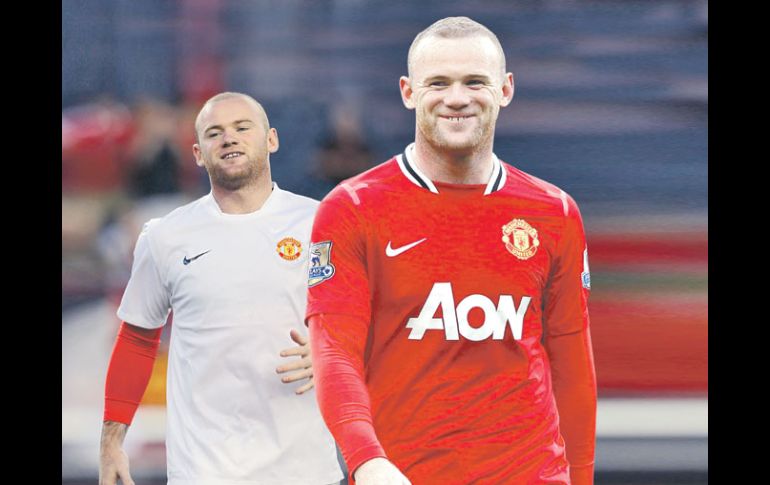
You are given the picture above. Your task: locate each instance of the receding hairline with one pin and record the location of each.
(455, 28)
(232, 95)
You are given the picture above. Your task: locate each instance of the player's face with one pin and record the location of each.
(233, 143)
(457, 89)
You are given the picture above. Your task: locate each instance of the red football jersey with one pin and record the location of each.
(459, 284)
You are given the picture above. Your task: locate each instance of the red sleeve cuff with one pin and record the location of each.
(362, 444)
(120, 411)
(582, 475)
(129, 371)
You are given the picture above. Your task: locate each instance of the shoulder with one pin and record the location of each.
(178, 218)
(297, 201)
(354, 203)
(365, 187)
(538, 190)
(294, 209)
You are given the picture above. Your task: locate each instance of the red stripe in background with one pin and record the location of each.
(623, 249)
(650, 343)
(651, 339)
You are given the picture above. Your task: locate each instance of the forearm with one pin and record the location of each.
(341, 389)
(129, 371)
(113, 461)
(113, 433)
(574, 386)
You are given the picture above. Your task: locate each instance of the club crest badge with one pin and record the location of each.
(289, 248)
(321, 267)
(520, 239)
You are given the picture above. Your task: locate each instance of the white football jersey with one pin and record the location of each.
(236, 284)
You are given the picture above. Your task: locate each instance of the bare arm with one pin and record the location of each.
(113, 461)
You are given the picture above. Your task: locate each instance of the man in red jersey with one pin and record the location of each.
(448, 295)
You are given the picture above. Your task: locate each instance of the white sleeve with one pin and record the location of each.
(146, 301)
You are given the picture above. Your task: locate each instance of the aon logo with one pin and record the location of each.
(455, 321)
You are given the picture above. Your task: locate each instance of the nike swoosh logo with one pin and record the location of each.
(187, 260)
(391, 252)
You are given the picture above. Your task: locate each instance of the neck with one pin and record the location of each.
(456, 167)
(249, 198)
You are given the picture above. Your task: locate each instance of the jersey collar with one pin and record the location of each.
(267, 205)
(409, 169)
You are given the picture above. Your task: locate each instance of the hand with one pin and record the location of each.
(113, 461)
(303, 366)
(379, 471)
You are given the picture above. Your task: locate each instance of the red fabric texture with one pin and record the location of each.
(439, 304)
(129, 371)
(574, 387)
(340, 387)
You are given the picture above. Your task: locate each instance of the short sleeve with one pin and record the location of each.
(337, 272)
(565, 308)
(146, 300)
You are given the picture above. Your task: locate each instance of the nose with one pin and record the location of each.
(229, 138)
(457, 96)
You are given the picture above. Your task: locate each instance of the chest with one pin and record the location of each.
(480, 247)
(236, 266)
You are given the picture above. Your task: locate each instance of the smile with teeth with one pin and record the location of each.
(456, 119)
(232, 155)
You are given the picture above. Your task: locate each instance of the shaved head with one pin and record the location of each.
(230, 95)
(455, 28)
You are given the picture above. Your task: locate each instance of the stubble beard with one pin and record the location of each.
(232, 181)
(481, 133)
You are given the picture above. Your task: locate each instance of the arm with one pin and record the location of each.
(343, 398)
(338, 318)
(574, 386)
(127, 376)
(567, 341)
(113, 461)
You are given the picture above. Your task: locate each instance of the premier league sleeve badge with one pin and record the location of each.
(321, 267)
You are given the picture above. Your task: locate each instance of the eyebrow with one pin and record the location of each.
(219, 127)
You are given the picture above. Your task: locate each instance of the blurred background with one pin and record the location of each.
(611, 104)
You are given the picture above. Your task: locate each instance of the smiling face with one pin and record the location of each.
(234, 143)
(457, 87)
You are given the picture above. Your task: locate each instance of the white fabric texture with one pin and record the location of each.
(230, 418)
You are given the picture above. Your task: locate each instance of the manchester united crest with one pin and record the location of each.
(289, 248)
(520, 239)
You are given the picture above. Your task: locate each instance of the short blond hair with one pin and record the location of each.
(455, 28)
(229, 95)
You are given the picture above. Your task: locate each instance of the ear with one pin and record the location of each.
(272, 140)
(407, 95)
(198, 155)
(507, 90)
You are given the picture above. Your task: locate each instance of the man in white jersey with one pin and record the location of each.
(232, 266)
